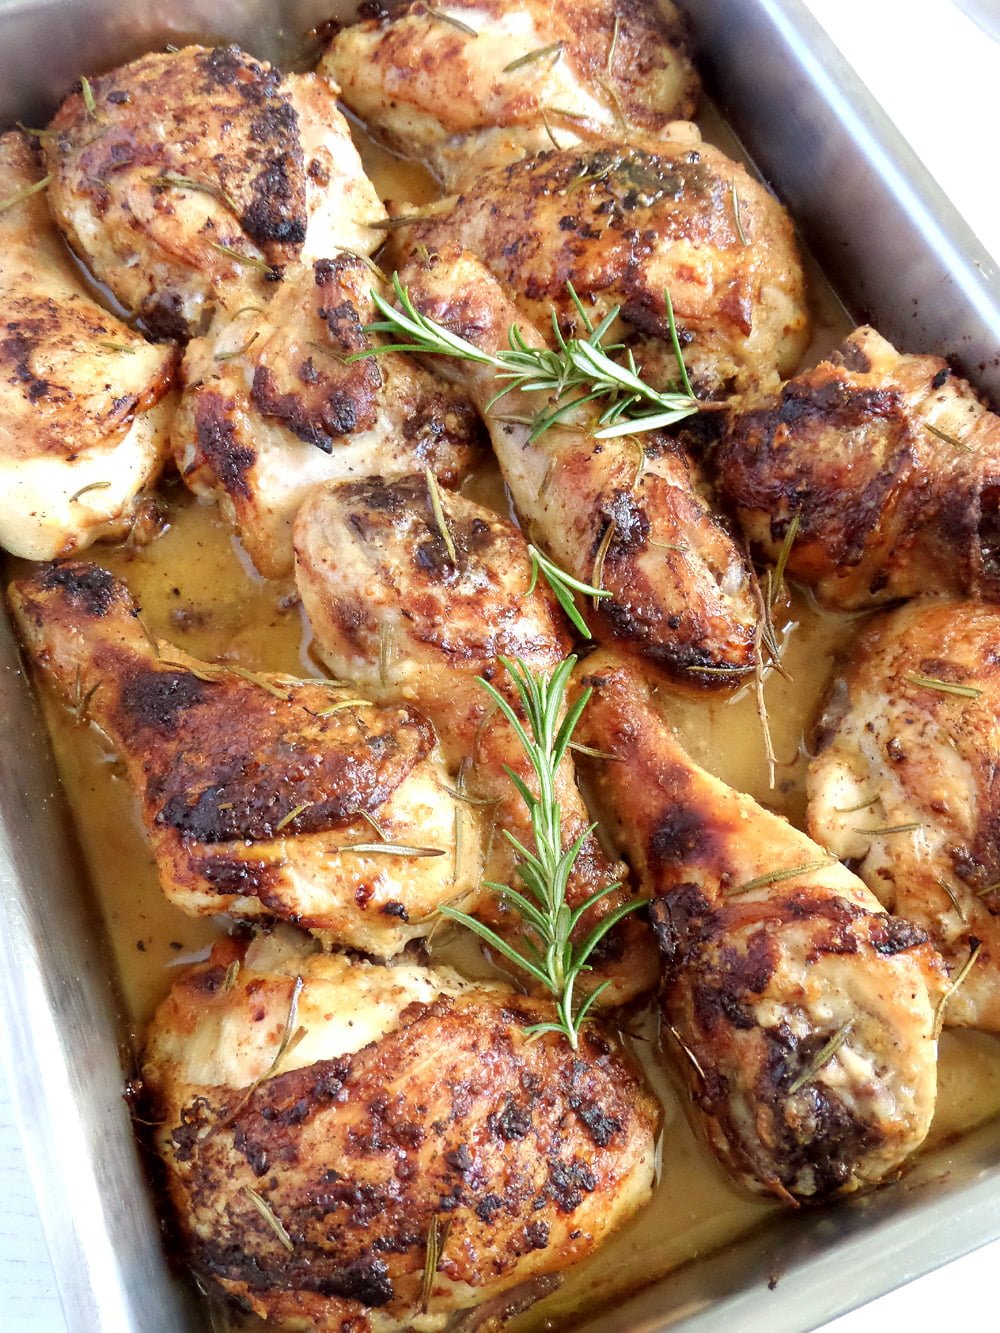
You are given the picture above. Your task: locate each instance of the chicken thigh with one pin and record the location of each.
(272, 406)
(83, 417)
(263, 796)
(190, 179)
(906, 783)
(350, 1146)
(479, 83)
(888, 464)
(804, 1015)
(625, 224)
(628, 515)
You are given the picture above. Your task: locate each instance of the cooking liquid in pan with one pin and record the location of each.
(198, 590)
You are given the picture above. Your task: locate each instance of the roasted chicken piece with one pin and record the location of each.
(82, 411)
(189, 179)
(410, 1118)
(892, 466)
(804, 1015)
(263, 796)
(906, 785)
(629, 515)
(625, 224)
(271, 407)
(395, 612)
(483, 82)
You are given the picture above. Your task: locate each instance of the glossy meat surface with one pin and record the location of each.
(909, 743)
(891, 463)
(625, 222)
(527, 73)
(191, 179)
(82, 411)
(272, 407)
(411, 1100)
(803, 1014)
(393, 613)
(254, 789)
(628, 515)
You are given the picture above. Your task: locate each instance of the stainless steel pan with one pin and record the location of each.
(901, 257)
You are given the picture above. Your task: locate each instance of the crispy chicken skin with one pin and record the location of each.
(629, 517)
(804, 1012)
(623, 224)
(252, 790)
(82, 411)
(450, 97)
(891, 463)
(413, 1100)
(900, 750)
(393, 613)
(182, 152)
(271, 408)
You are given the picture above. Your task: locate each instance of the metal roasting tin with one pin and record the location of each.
(900, 256)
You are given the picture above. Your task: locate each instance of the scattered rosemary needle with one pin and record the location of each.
(373, 823)
(948, 439)
(437, 1239)
(788, 541)
(943, 686)
(291, 1035)
(91, 486)
(88, 96)
(252, 261)
(20, 195)
(597, 577)
(231, 356)
(947, 889)
(779, 876)
(390, 849)
(853, 809)
(613, 47)
(687, 1051)
(270, 1217)
(232, 972)
(574, 372)
(960, 977)
(563, 585)
(823, 1057)
(990, 888)
(443, 17)
(292, 815)
(109, 345)
(403, 220)
(549, 953)
(437, 509)
(386, 646)
(591, 752)
(167, 181)
(884, 829)
(738, 215)
(345, 703)
(529, 57)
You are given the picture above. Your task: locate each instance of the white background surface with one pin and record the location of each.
(938, 76)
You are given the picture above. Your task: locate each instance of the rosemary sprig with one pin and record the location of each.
(549, 953)
(563, 585)
(574, 372)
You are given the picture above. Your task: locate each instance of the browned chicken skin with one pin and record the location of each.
(411, 1100)
(892, 465)
(83, 418)
(514, 76)
(254, 791)
(271, 407)
(624, 224)
(805, 1014)
(191, 178)
(393, 613)
(625, 514)
(910, 743)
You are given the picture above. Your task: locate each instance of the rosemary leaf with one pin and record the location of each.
(167, 181)
(434, 495)
(291, 816)
(231, 356)
(779, 876)
(251, 261)
(943, 686)
(960, 977)
(884, 830)
(540, 53)
(232, 972)
(948, 439)
(19, 196)
(563, 585)
(442, 17)
(437, 1239)
(88, 96)
(390, 849)
(738, 216)
(345, 703)
(791, 532)
(823, 1057)
(92, 486)
(597, 577)
(270, 1217)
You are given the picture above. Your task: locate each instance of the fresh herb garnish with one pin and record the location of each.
(943, 686)
(779, 876)
(823, 1057)
(960, 977)
(437, 509)
(738, 215)
(270, 1217)
(167, 181)
(91, 486)
(529, 57)
(442, 17)
(20, 195)
(437, 1239)
(574, 372)
(548, 953)
(563, 585)
(389, 849)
